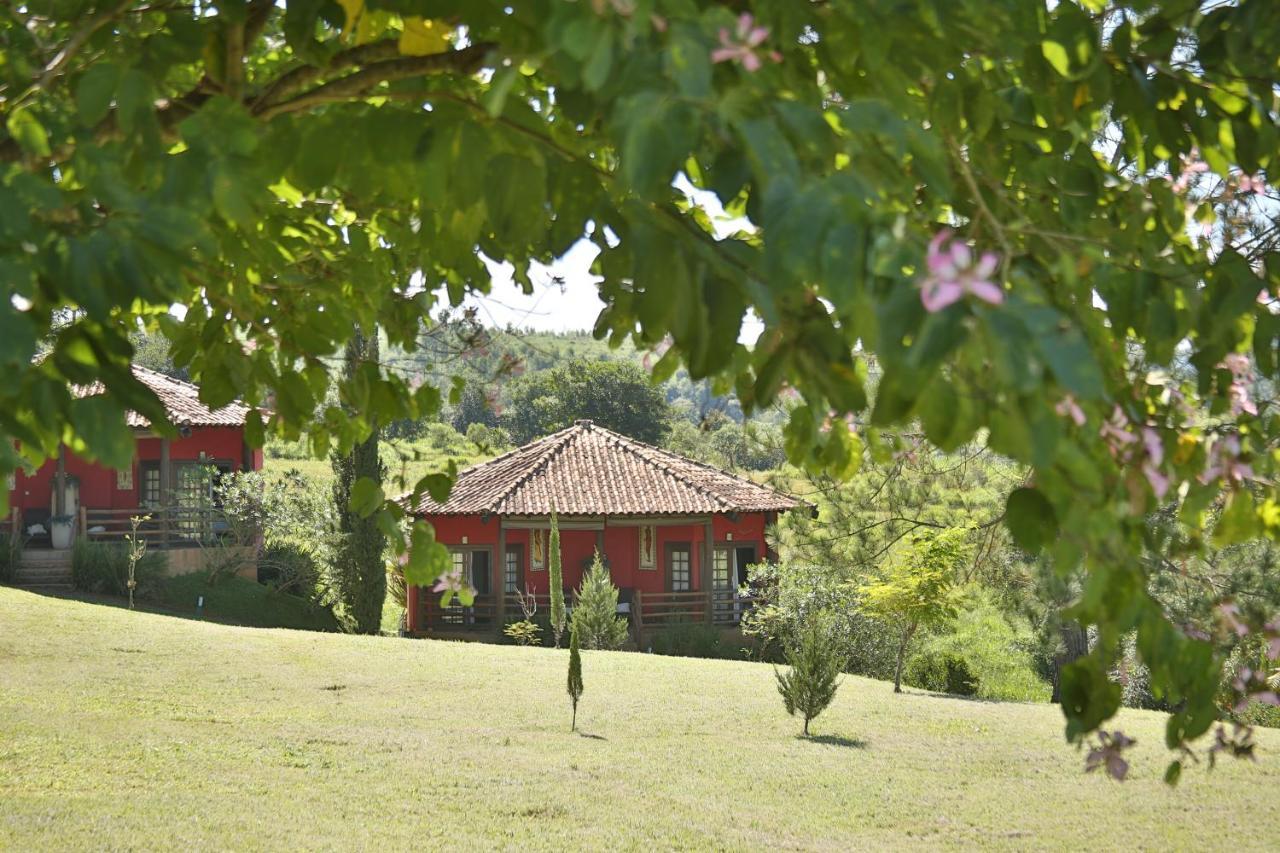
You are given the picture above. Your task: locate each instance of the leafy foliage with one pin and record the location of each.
(814, 664)
(1050, 226)
(942, 672)
(614, 394)
(595, 613)
(914, 589)
(524, 632)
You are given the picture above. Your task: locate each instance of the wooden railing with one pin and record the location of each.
(171, 527)
(647, 610)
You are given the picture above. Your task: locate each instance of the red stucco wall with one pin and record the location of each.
(98, 484)
(621, 545)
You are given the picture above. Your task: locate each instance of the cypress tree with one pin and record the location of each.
(575, 676)
(555, 577)
(595, 615)
(358, 573)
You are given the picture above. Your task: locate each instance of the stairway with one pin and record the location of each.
(44, 568)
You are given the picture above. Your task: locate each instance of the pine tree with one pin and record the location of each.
(556, 578)
(815, 663)
(359, 574)
(595, 615)
(575, 676)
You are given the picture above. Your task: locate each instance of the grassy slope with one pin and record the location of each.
(130, 729)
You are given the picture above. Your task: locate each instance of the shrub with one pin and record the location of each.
(941, 672)
(691, 640)
(524, 633)
(288, 567)
(103, 567)
(815, 662)
(1260, 714)
(595, 616)
(995, 648)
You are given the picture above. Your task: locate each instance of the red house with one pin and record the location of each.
(677, 535)
(167, 480)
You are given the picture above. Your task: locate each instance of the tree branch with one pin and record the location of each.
(73, 45)
(354, 85)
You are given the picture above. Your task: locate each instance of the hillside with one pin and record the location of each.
(136, 730)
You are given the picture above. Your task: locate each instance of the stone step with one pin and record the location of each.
(42, 578)
(45, 556)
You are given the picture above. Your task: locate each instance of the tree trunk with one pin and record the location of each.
(907, 634)
(1075, 644)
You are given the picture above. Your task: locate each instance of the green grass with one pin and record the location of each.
(132, 730)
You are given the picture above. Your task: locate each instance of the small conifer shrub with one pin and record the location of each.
(595, 616)
(815, 661)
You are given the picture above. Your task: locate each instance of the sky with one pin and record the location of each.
(565, 297)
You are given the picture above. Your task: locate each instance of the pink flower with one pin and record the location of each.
(1224, 462)
(740, 46)
(1069, 408)
(1192, 165)
(1115, 431)
(450, 580)
(1155, 457)
(953, 274)
(1238, 392)
(1251, 184)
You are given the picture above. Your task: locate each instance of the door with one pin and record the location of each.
(728, 576)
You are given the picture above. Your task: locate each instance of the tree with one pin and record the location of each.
(617, 395)
(986, 202)
(914, 590)
(555, 577)
(575, 676)
(473, 408)
(595, 613)
(358, 571)
(815, 662)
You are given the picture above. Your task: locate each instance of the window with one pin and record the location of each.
(511, 568)
(149, 494)
(474, 568)
(679, 566)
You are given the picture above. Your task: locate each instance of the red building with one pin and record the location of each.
(677, 535)
(168, 479)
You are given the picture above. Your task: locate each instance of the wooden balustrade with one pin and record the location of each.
(171, 527)
(648, 610)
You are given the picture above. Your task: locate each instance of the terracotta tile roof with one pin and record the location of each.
(181, 400)
(589, 470)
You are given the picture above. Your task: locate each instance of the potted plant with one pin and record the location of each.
(61, 528)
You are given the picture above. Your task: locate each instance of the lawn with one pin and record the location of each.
(143, 731)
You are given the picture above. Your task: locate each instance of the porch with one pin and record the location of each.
(162, 528)
(645, 612)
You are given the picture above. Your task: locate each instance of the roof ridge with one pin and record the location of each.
(566, 437)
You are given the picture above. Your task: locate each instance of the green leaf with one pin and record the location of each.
(1173, 773)
(17, 337)
(30, 134)
(1030, 519)
(1056, 55)
(95, 91)
(1238, 522)
(596, 71)
(366, 497)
